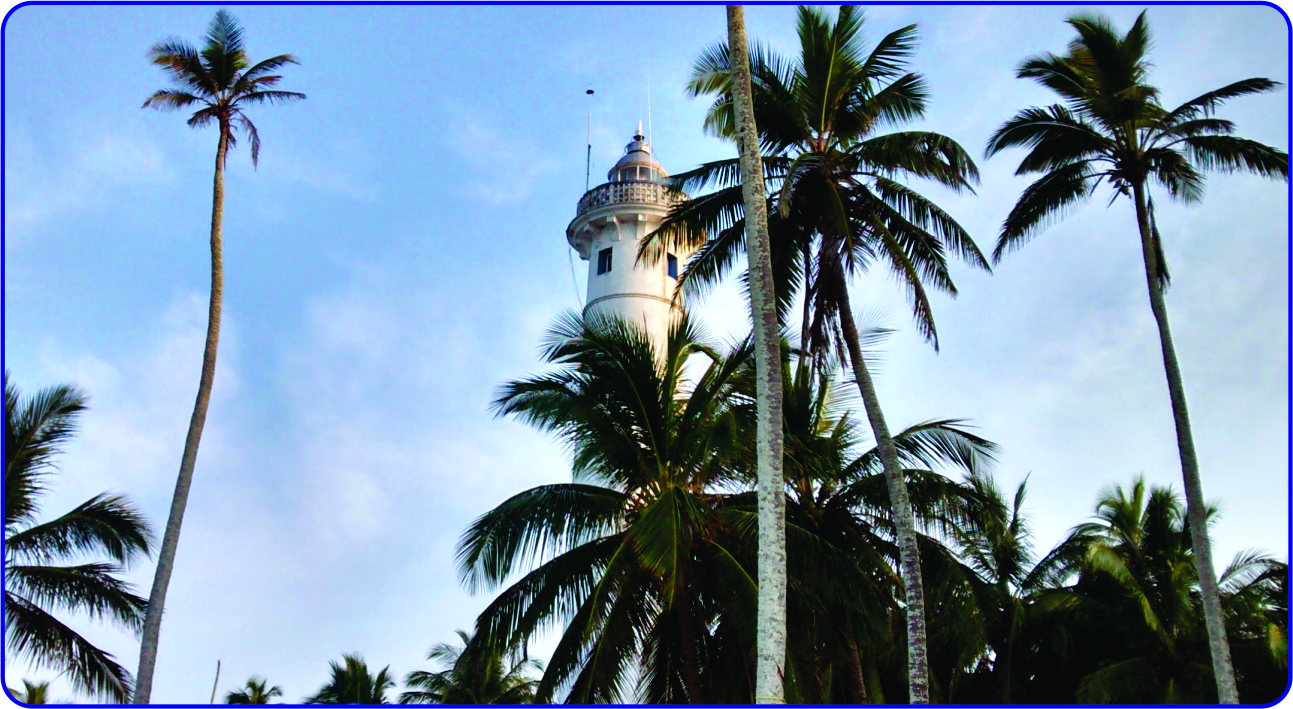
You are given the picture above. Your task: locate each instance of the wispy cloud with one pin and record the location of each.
(40, 187)
(506, 165)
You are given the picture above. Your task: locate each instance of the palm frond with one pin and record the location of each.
(1207, 104)
(545, 520)
(1227, 153)
(36, 428)
(89, 588)
(170, 100)
(43, 640)
(1044, 202)
(108, 524)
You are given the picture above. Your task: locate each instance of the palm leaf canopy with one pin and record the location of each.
(219, 81)
(835, 180)
(472, 673)
(1110, 126)
(255, 691)
(647, 559)
(1134, 561)
(51, 565)
(353, 683)
(614, 555)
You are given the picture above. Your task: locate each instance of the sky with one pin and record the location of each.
(401, 250)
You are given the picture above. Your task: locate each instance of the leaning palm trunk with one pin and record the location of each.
(771, 643)
(1196, 511)
(171, 538)
(903, 520)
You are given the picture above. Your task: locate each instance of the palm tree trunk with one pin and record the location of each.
(805, 327)
(855, 673)
(903, 520)
(1196, 511)
(771, 643)
(171, 537)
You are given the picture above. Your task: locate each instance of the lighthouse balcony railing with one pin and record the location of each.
(628, 192)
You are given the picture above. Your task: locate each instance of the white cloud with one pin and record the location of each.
(506, 164)
(40, 187)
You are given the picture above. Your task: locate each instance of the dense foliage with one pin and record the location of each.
(646, 562)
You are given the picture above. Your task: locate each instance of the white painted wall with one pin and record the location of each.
(640, 292)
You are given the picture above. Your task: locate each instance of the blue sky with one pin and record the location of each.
(401, 250)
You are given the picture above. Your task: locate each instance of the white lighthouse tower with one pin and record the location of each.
(610, 222)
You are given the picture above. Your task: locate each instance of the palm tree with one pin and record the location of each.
(1135, 559)
(1011, 586)
(472, 673)
(840, 207)
(839, 497)
(352, 683)
(769, 687)
(254, 691)
(1112, 128)
(638, 557)
(220, 83)
(39, 571)
(31, 692)
(650, 554)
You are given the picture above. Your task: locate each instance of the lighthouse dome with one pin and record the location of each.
(637, 165)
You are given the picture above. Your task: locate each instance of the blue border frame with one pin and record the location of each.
(382, 3)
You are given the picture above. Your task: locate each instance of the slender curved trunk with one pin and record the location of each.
(903, 519)
(171, 538)
(855, 673)
(805, 327)
(1196, 510)
(771, 641)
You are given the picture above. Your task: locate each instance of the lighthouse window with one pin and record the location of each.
(603, 261)
(673, 266)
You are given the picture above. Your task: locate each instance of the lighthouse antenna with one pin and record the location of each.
(588, 168)
(650, 133)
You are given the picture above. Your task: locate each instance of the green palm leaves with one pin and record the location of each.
(255, 691)
(1111, 128)
(219, 81)
(836, 181)
(353, 683)
(1135, 559)
(32, 692)
(52, 565)
(646, 562)
(473, 673)
(620, 552)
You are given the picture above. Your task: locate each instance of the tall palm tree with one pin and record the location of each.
(771, 650)
(353, 683)
(638, 558)
(839, 207)
(32, 692)
(221, 84)
(1112, 128)
(472, 673)
(255, 691)
(39, 571)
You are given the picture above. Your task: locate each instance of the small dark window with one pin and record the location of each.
(673, 266)
(603, 261)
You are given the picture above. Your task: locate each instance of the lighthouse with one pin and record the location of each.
(610, 222)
